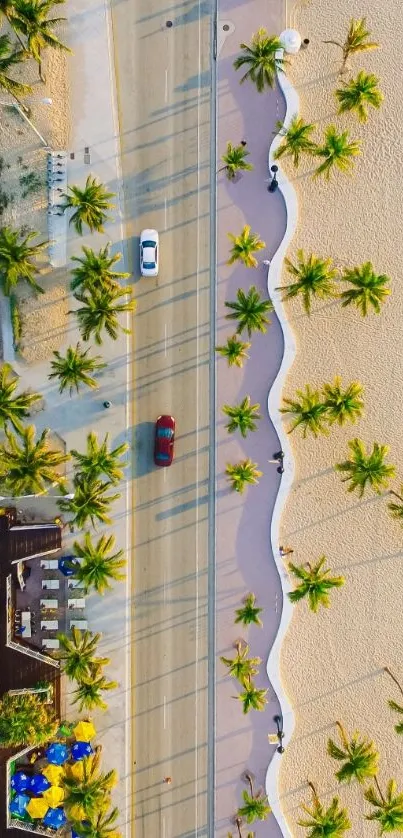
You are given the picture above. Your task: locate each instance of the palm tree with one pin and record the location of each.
(13, 408)
(309, 411)
(250, 311)
(325, 823)
(25, 720)
(100, 309)
(244, 246)
(343, 405)
(297, 139)
(16, 255)
(243, 474)
(235, 351)
(251, 697)
(74, 369)
(238, 824)
(77, 654)
(396, 509)
(356, 40)
(88, 694)
(242, 417)
(314, 583)
(30, 19)
(9, 57)
(100, 460)
(363, 468)
(29, 466)
(368, 289)
(98, 564)
(90, 204)
(248, 614)
(314, 277)
(392, 704)
(96, 269)
(90, 502)
(261, 59)
(338, 151)
(89, 795)
(358, 94)
(256, 807)
(100, 826)
(241, 667)
(388, 808)
(234, 160)
(359, 756)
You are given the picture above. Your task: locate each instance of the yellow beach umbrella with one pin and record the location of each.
(76, 770)
(53, 796)
(84, 731)
(37, 807)
(53, 773)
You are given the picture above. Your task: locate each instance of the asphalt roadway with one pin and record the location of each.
(164, 96)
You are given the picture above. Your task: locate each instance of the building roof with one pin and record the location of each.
(24, 541)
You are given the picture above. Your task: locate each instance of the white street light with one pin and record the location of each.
(52, 497)
(20, 110)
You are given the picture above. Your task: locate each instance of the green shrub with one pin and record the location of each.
(16, 322)
(30, 182)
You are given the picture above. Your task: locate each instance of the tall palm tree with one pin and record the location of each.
(88, 694)
(388, 807)
(392, 704)
(243, 474)
(366, 469)
(13, 407)
(356, 40)
(248, 614)
(396, 509)
(74, 369)
(297, 139)
(90, 502)
(250, 311)
(325, 823)
(261, 59)
(100, 460)
(235, 351)
(78, 653)
(368, 291)
(359, 756)
(251, 697)
(309, 411)
(10, 57)
(100, 826)
(25, 720)
(16, 259)
(90, 203)
(31, 20)
(314, 277)
(234, 159)
(255, 808)
(96, 269)
(244, 246)
(100, 309)
(242, 417)
(343, 405)
(359, 94)
(314, 583)
(338, 152)
(89, 795)
(99, 565)
(241, 667)
(29, 466)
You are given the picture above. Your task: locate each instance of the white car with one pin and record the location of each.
(149, 244)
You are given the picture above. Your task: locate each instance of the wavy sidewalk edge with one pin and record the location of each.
(273, 405)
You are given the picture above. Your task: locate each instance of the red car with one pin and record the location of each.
(164, 440)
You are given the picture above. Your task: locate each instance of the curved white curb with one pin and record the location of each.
(273, 404)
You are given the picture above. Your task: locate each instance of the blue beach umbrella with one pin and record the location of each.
(66, 565)
(57, 753)
(39, 784)
(18, 805)
(54, 818)
(80, 750)
(20, 781)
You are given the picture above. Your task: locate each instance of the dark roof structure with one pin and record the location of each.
(25, 541)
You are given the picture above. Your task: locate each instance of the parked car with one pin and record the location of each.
(149, 247)
(164, 440)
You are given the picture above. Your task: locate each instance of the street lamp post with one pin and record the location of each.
(42, 495)
(21, 111)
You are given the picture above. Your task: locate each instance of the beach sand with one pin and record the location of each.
(44, 318)
(331, 663)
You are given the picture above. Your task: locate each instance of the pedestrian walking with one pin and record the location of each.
(285, 551)
(167, 780)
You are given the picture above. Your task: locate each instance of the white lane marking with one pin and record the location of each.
(166, 85)
(165, 475)
(165, 213)
(163, 827)
(165, 339)
(165, 712)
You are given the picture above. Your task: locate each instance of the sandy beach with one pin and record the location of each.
(332, 663)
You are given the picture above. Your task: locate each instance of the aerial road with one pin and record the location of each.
(163, 63)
